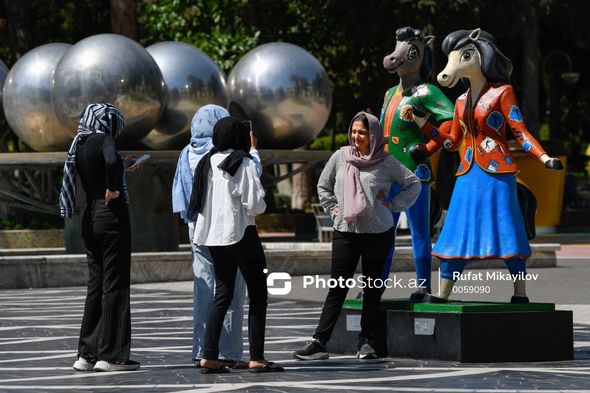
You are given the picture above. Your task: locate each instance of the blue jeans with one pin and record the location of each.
(231, 343)
(419, 219)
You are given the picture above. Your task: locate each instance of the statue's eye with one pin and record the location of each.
(467, 55)
(413, 53)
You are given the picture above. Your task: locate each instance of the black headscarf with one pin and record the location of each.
(229, 133)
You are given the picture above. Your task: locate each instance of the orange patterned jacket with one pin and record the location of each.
(485, 130)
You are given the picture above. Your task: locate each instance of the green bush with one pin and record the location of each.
(325, 142)
(30, 223)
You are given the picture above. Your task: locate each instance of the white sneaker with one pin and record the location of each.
(83, 365)
(103, 365)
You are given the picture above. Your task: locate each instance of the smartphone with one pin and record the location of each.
(248, 123)
(139, 161)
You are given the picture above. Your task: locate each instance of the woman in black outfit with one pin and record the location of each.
(227, 195)
(105, 334)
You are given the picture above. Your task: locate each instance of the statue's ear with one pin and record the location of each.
(428, 39)
(475, 34)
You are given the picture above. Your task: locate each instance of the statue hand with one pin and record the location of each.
(554, 163)
(417, 152)
(420, 114)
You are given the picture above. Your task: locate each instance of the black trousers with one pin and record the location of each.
(347, 248)
(248, 256)
(106, 326)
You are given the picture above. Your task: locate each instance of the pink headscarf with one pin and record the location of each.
(355, 200)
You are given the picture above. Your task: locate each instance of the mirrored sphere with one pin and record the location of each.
(27, 99)
(192, 80)
(114, 69)
(286, 93)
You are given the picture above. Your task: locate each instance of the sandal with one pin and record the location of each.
(227, 362)
(240, 365)
(270, 367)
(218, 370)
(236, 364)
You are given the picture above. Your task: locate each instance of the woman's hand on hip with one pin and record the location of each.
(334, 212)
(110, 195)
(381, 197)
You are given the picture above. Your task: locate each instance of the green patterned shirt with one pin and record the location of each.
(403, 132)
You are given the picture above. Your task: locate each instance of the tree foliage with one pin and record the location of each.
(350, 38)
(214, 26)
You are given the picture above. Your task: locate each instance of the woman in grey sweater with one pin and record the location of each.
(352, 188)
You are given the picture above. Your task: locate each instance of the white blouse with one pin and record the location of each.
(231, 203)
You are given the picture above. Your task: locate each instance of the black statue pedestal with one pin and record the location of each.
(462, 331)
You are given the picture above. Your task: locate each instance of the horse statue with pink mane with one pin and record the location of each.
(484, 219)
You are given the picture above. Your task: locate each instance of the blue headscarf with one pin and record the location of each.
(201, 142)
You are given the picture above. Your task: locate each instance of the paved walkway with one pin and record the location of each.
(38, 338)
(565, 285)
(39, 328)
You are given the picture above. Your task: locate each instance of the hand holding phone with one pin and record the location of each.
(253, 139)
(137, 162)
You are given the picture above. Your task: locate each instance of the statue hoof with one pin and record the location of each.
(419, 110)
(555, 164)
(434, 299)
(418, 296)
(417, 154)
(519, 300)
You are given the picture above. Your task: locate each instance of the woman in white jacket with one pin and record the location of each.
(231, 344)
(227, 196)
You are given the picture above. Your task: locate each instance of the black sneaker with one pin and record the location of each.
(366, 350)
(314, 350)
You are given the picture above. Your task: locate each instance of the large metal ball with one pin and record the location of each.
(115, 69)
(286, 93)
(192, 80)
(27, 99)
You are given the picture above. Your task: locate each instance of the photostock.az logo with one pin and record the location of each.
(278, 276)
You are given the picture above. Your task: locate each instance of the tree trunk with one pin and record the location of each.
(17, 16)
(124, 18)
(531, 60)
(284, 187)
(301, 196)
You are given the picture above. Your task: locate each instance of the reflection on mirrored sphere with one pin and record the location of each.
(192, 80)
(115, 69)
(286, 93)
(27, 99)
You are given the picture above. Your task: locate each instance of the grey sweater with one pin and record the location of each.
(374, 179)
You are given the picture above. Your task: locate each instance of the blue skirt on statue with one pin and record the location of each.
(484, 219)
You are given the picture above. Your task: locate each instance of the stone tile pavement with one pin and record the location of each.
(39, 328)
